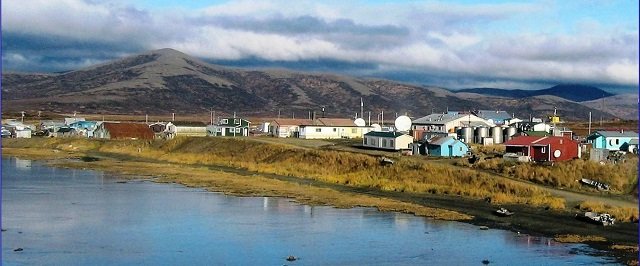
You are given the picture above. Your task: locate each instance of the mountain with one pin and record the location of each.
(165, 81)
(624, 106)
(571, 92)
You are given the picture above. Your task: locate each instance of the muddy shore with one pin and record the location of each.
(528, 220)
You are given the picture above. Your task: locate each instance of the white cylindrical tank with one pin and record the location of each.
(496, 134)
(509, 133)
(481, 132)
(466, 134)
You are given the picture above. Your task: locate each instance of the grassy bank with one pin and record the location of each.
(622, 177)
(345, 168)
(247, 167)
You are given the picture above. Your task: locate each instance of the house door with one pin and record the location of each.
(450, 151)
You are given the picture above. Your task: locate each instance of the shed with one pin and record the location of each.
(387, 140)
(541, 149)
(108, 130)
(447, 147)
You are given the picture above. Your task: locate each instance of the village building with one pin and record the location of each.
(185, 129)
(534, 126)
(230, 127)
(62, 132)
(287, 128)
(444, 124)
(446, 147)
(332, 128)
(70, 120)
(497, 117)
(84, 128)
(612, 140)
(109, 130)
(387, 140)
(544, 149)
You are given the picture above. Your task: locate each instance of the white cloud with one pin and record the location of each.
(433, 37)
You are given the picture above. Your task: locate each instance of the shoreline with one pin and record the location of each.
(534, 221)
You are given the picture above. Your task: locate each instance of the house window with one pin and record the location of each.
(543, 150)
(610, 142)
(460, 149)
(390, 143)
(218, 129)
(384, 142)
(365, 141)
(238, 130)
(318, 129)
(617, 141)
(225, 121)
(335, 129)
(236, 121)
(354, 130)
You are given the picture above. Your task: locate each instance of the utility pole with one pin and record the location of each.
(211, 115)
(361, 108)
(173, 117)
(278, 113)
(589, 123)
(369, 118)
(146, 119)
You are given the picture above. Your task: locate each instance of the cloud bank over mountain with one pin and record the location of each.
(454, 44)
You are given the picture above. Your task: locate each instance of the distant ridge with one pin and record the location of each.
(167, 81)
(572, 92)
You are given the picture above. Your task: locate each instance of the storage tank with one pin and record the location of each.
(481, 132)
(509, 132)
(466, 134)
(496, 134)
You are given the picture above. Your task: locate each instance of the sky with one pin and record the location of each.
(452, 44)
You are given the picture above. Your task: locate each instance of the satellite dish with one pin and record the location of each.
(403, 123)
(360, 122)
(376, 127)
(557, 153)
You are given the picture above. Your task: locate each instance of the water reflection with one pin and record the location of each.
(86, 217)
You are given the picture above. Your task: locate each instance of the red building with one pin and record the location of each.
(544, 149)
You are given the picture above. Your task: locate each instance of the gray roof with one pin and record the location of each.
(633, 142)
(494, 115)
(384, 134)
(609, 134)
(439, 140)
(437, 118)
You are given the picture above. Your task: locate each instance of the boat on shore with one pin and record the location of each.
(503, 212)
(593, 183)
(603, 219)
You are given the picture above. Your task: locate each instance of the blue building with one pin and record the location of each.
(612, 140)
(446, 147)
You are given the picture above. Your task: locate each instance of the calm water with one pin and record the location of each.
(78, 217)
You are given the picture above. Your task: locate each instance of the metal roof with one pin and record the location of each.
(384, 134)
(609, 134)
(438, 118)
(439, 141)
(494, 115)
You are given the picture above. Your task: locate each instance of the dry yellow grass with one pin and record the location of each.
(345, 168)
(578, 239)
(625, 248)
(621, 177)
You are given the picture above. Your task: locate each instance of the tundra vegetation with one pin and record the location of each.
(361, 170)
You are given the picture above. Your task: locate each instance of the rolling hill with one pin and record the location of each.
(165, 81)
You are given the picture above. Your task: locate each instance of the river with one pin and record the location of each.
(81, 217)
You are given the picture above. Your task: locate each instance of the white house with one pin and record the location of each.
(445, 123)
(332, 128)
(387, 140)
(188, 129)
(285, 128)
